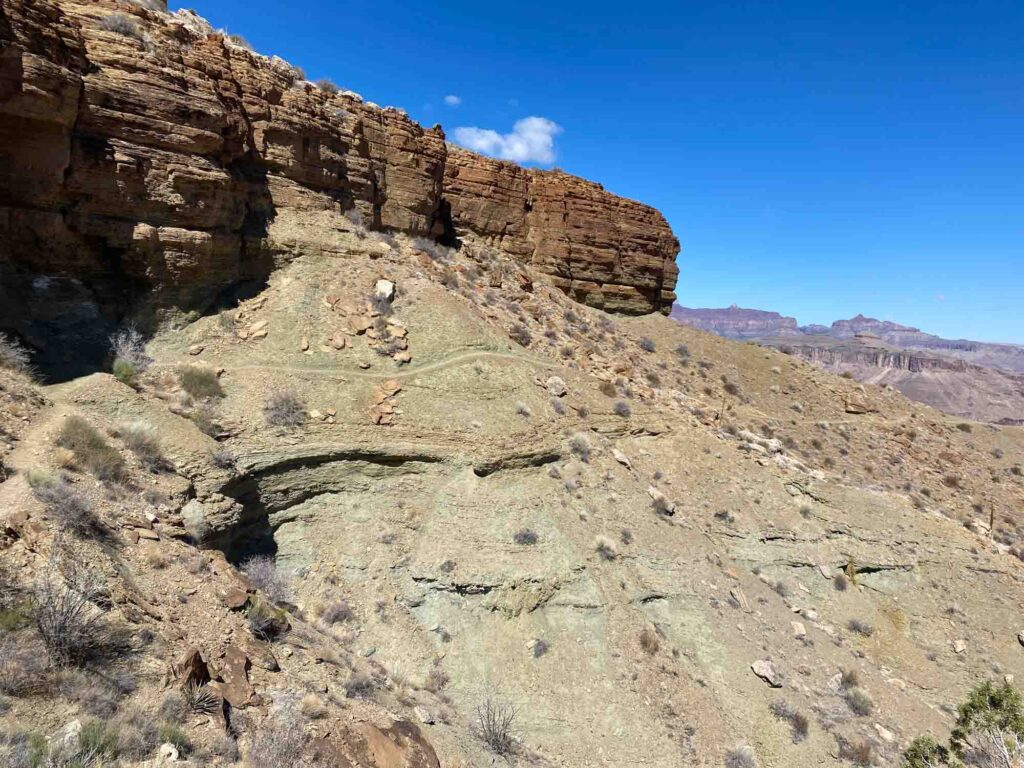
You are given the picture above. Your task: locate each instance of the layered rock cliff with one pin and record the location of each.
(735, 322)
(147, 160)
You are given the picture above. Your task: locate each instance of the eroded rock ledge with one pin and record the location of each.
(159, 159)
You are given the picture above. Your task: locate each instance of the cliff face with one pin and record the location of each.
(144, 156)
(735, 322)
(603, 250)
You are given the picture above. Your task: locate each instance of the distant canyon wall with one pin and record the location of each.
(145, 157)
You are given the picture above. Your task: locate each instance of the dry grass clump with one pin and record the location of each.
(607, 389)
(90, 450)
(647, 345)
(622, 409)
(520, 334)
(522, 409)
(120, 24)
(140, 438)
(69, 508)
(285, 409)
(337, 612)
(649, 641)
(860, 627)
(281, 741)
(496, 720)
(130, 359)
(327, 86)
(199, 382)
(858, 701)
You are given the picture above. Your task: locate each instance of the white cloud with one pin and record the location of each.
(452, 100)
(532, 140)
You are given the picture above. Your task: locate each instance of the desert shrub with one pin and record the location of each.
(557, 406)
(496, 721)
(327, 86)
(73, 629)
(520, 334)
(925, 752)
(963, 426)
(199, 382)
(840, 582)
(858, 701)
(281, 742)
(990, 726)
(141, 439)
(525, 537)
(741, 757)
(13, 354)
(653, 379)
(129, 350)
(849, 678)
(125, 372)
(284, 409)
(522, 409)
(731, 387)
(69, 508)
(683, 354)
(662, 506)
(151, 5)
(265, 620)
(238, 40)
(860, 627)
(263, 573)
(622, 409)
(120, 24)
(90, 450)
(647, 345)
(174, 708)
(605, 548)
(337, 612)
(798, 721)
(138, 736)
(540, 647)
(649, 641)
(360, 685)
(861, 753)
(222, 458)
(173, 734)
(580, 446)
(607, 389)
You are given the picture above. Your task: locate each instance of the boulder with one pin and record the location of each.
(766, 670)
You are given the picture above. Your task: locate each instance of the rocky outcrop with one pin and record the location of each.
(735, 322)
(603, 250)
(148, 159)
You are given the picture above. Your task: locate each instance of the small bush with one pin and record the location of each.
(222, 458)
(741, 757)
(649, 641)
(120, 24)
(141, 439)
(129, 348)
(13, 355)
(520, 334)
(125, 372)
(72, 628)
(924, 752)
(337, 612)
(605, 548)
(861, 753)
(964, 426)
(265, 621)
(798, 721)
(360, 685)
(199, 382)
(525, 537)
(607, 389)
(71, 511)
(327, 86)
(858, 701)
(174, 735)
(683, 354)
(90, 450)
(540, 647)
(557, 406)
(622, 409)
(496, 722)
(580, 446)
(860, 627)
(522, 409)
(840, 582)
(281, 742)
(22, 665)
(263, 573)
(647, 345)
(285, 409)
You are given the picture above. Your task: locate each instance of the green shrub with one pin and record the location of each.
(125, 372)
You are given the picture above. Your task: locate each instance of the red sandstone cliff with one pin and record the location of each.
(147, 164)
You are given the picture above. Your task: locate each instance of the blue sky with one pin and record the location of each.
(815, 158)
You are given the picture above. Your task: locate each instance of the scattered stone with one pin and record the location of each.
(622, 458)
(959, 646)
(556, 387)
(304, 344)
(168, 753)
(798, 629)
(1020, 637)
(385, 289)
(196, 349)
(402, 358)
(764, 669)
(884, 733)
